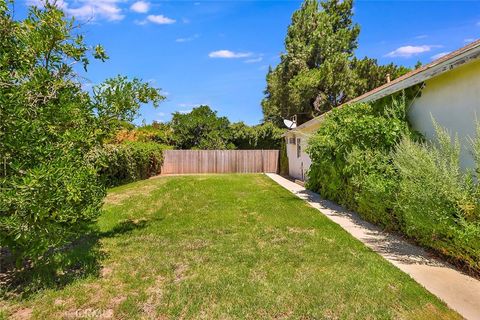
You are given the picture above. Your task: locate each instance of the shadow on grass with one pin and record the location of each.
(79, 259)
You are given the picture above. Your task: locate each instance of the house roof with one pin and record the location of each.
(428, 71)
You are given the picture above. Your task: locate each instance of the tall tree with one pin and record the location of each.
(319, 44)
(371, 75)
(318, 72)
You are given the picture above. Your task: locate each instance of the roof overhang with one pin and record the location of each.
(429, 71)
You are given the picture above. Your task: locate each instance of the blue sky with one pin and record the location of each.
(218, 52)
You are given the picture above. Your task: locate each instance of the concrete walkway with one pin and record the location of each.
(459, 291)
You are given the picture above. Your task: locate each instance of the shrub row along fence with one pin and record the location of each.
(220, 161)
(123, 163)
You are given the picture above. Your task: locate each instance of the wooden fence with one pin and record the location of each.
(219, 161)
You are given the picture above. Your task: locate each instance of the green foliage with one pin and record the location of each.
(201, 129)
(155, 132)
(437, 203)
(367, 158)
(119, 99)
(351, 159)
(49, 191)
(319, 44)
(264, 136)
(283, 165)
(371, 75)
(122, 163)
(318, 71)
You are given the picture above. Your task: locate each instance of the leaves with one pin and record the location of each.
(318, 71)
(50, 191)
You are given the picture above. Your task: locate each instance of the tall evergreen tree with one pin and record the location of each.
(318, 70)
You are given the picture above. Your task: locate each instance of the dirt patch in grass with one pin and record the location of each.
(428, 311)
(22, 314)
(116, 198)
(155, 295)
(180, 272)
(196, 244)
(106, 272)
(309, 232)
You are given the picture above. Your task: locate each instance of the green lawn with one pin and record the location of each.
(224, 246)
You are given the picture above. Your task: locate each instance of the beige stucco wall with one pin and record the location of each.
(298, 166)
(453, 100)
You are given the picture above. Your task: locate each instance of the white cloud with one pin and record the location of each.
(140, 22)
(409, 51)
(88, 9)
(227, 54)
(439, 55)
(421, 36)
(40, 3)
(254, 60)
(140, 7)
(478, 24)
(468, 40)
(160, 19)
(161, 117)
(187, 39)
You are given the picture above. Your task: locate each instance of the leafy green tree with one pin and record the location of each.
(201, 129)
(50, 193)
(117, 101)
(264, 136)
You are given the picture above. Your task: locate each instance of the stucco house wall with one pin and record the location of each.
(298, 163)
(453, 100)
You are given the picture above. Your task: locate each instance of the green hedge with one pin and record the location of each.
(123, 163)
(368, 159)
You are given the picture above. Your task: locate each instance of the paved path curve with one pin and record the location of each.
(459, 291)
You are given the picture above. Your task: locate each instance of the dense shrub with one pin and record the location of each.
(127, 162)
(351, 161)
(49, 192)
(367, 158)
(283, 161)
(438, 203)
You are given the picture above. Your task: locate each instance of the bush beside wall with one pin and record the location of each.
(123, 163)
(437, 203)
(351, 161)
(369, 160)
(283, 161)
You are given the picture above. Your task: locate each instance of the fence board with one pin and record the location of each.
(219, 161)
